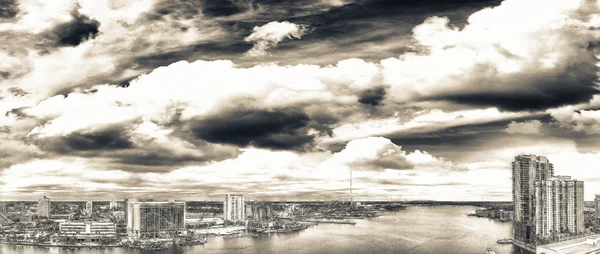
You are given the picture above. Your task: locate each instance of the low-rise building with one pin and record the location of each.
(66, 216)
(582, 245)
(88, 231)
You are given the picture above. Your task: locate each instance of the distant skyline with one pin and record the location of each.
(423, 100)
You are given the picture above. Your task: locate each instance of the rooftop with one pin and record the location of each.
(575, 246)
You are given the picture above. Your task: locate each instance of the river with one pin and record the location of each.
(418, 229)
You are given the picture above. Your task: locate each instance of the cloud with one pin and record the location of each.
(276, 129)
(269, 35)
(74, 32)
(8, 9)
(379, 154)
(587, 121)
(527, 127)
(270, 97)
(372, 97)
(453, 89)
(375, 153)
(36, 16)
(534, 65)
(288, 173)
(135, 146)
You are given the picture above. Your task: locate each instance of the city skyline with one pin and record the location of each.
(418, 100)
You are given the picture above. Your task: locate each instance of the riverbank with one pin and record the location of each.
(493, 213)
(62, 245)
(332, 222)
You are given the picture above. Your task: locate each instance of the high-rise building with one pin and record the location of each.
(150, 219)
(558, 207)
(88, 208)
(546, 207)
(526, 169)
(2, 207)
(44, 207)
(597, 199)
(234, 208)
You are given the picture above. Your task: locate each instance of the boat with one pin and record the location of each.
(504, 241)
(490, 250)
(153, 246)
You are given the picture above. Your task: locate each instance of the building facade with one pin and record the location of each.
(546, 207)
(44, 207)
(526, 169)
(558, 207)
(234, 208)
(152, 219)
(87, 231)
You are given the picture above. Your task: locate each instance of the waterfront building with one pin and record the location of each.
(261, 211)
(44, 207)
(150, 219)
(526, 169)
(597, 201)
(547, 208)
(234, 208)
(87, 231)
(88, 208)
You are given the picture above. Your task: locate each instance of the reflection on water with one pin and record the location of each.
(419, 229)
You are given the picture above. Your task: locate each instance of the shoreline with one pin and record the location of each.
(62, 245)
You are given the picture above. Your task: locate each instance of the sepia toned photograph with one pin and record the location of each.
(300, 126)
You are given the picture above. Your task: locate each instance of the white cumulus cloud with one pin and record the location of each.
(527, 127)
(269, 35)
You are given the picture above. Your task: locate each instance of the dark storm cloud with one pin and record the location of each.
(274, 129)
(337, 32)
(113, 139)
(74, 32)
(372, 97)
(576, 84)
(455, 142)
(108, 140)
(217, 8)
(117, 149)
(8, 9)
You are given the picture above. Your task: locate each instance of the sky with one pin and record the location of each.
(282, 100)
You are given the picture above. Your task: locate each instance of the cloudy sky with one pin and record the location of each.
(279, 100)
